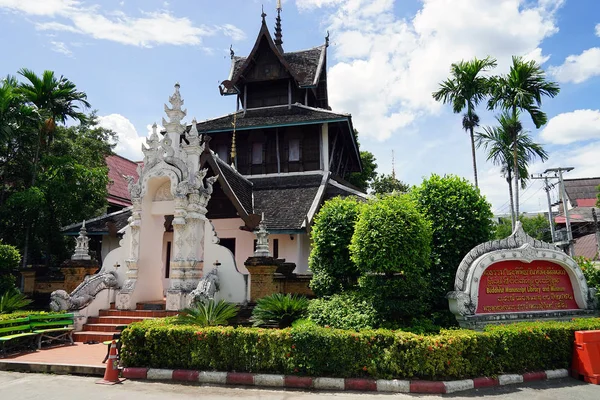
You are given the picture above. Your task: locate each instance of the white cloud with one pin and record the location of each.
(598, 30)
(56, 26)
(62, 48)
(233, 32)
(129, 143)
(573, 126)
(41, 8)
(578, 68)
(149, 29)
(388, 67)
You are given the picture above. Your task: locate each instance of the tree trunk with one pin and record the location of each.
(516, 173)
(515, 135)
(510, 197)
(473, 154)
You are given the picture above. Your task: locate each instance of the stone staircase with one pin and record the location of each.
(103, 327)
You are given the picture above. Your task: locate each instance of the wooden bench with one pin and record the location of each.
(16, 334)
(52, 328)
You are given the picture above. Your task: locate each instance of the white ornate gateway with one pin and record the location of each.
(170, 183)
(168, 244)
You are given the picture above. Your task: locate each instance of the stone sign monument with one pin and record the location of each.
(518, 279)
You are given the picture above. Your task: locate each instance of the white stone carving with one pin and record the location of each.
(519, 247)
(83, 294)
(262, 240)
(164, 193)
(82, 248)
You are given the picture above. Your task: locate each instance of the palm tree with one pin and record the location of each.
(57, 100)
(465, 89)
(500, 141)
(522, 90)
(16, 118)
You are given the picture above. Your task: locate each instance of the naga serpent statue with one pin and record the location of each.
(83, 294)
(206, 289)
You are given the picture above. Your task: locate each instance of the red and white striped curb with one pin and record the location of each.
(338, 384)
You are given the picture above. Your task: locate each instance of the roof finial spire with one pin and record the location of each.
(263, 15)
(393, 166)
(327, 40)
(231, 52)
(278, 35)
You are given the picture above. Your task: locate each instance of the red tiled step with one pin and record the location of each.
(86, 336)
(100, 328)
(137, 313)
(115, 320)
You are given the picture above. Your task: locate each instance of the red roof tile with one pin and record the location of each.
(118, 166)
(587, 247)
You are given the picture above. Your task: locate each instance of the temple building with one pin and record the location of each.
(280, 155)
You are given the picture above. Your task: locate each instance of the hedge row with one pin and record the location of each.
(21, 314)
(316, 351)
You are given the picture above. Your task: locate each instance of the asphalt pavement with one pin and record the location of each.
(30, 386)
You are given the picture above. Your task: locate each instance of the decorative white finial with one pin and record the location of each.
(175, 113)
(82, 249)
(262, 239)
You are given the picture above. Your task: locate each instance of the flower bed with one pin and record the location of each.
(316, 351)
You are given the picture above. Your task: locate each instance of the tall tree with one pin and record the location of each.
(521, 90)
(57, 100)
(499, 141)
(388, 184)
(465, 89)
(364, 179)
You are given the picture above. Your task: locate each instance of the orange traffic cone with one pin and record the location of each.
(111, 375)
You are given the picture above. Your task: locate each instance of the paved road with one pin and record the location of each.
(23, 386)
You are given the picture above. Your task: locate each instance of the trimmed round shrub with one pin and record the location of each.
(329, 260)
(461, 218)
(391, 236)
(347, 310)
(391, 247)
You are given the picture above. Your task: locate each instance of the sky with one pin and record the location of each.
(385, 59)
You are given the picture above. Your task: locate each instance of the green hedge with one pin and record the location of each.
(21, 314)
(316, 351)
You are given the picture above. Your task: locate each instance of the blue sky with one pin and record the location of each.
(385, 59)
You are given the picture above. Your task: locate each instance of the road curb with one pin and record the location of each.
(339, 384)
(59, 369)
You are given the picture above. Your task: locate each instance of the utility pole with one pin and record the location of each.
(597, 226)
(547, 188)
(563, 192)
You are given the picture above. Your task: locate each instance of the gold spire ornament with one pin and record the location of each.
(233, 147)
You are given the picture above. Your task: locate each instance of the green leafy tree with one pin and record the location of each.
(537, 227)
(329, 259)
(499, 141)
(279, 309)
(461, 218)
(521, 89)
(71, 186)
(9, 262)
(391, 246)
(383, 184)
(210, 313)
(364, 179)
(56, 99)
(465, 89)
